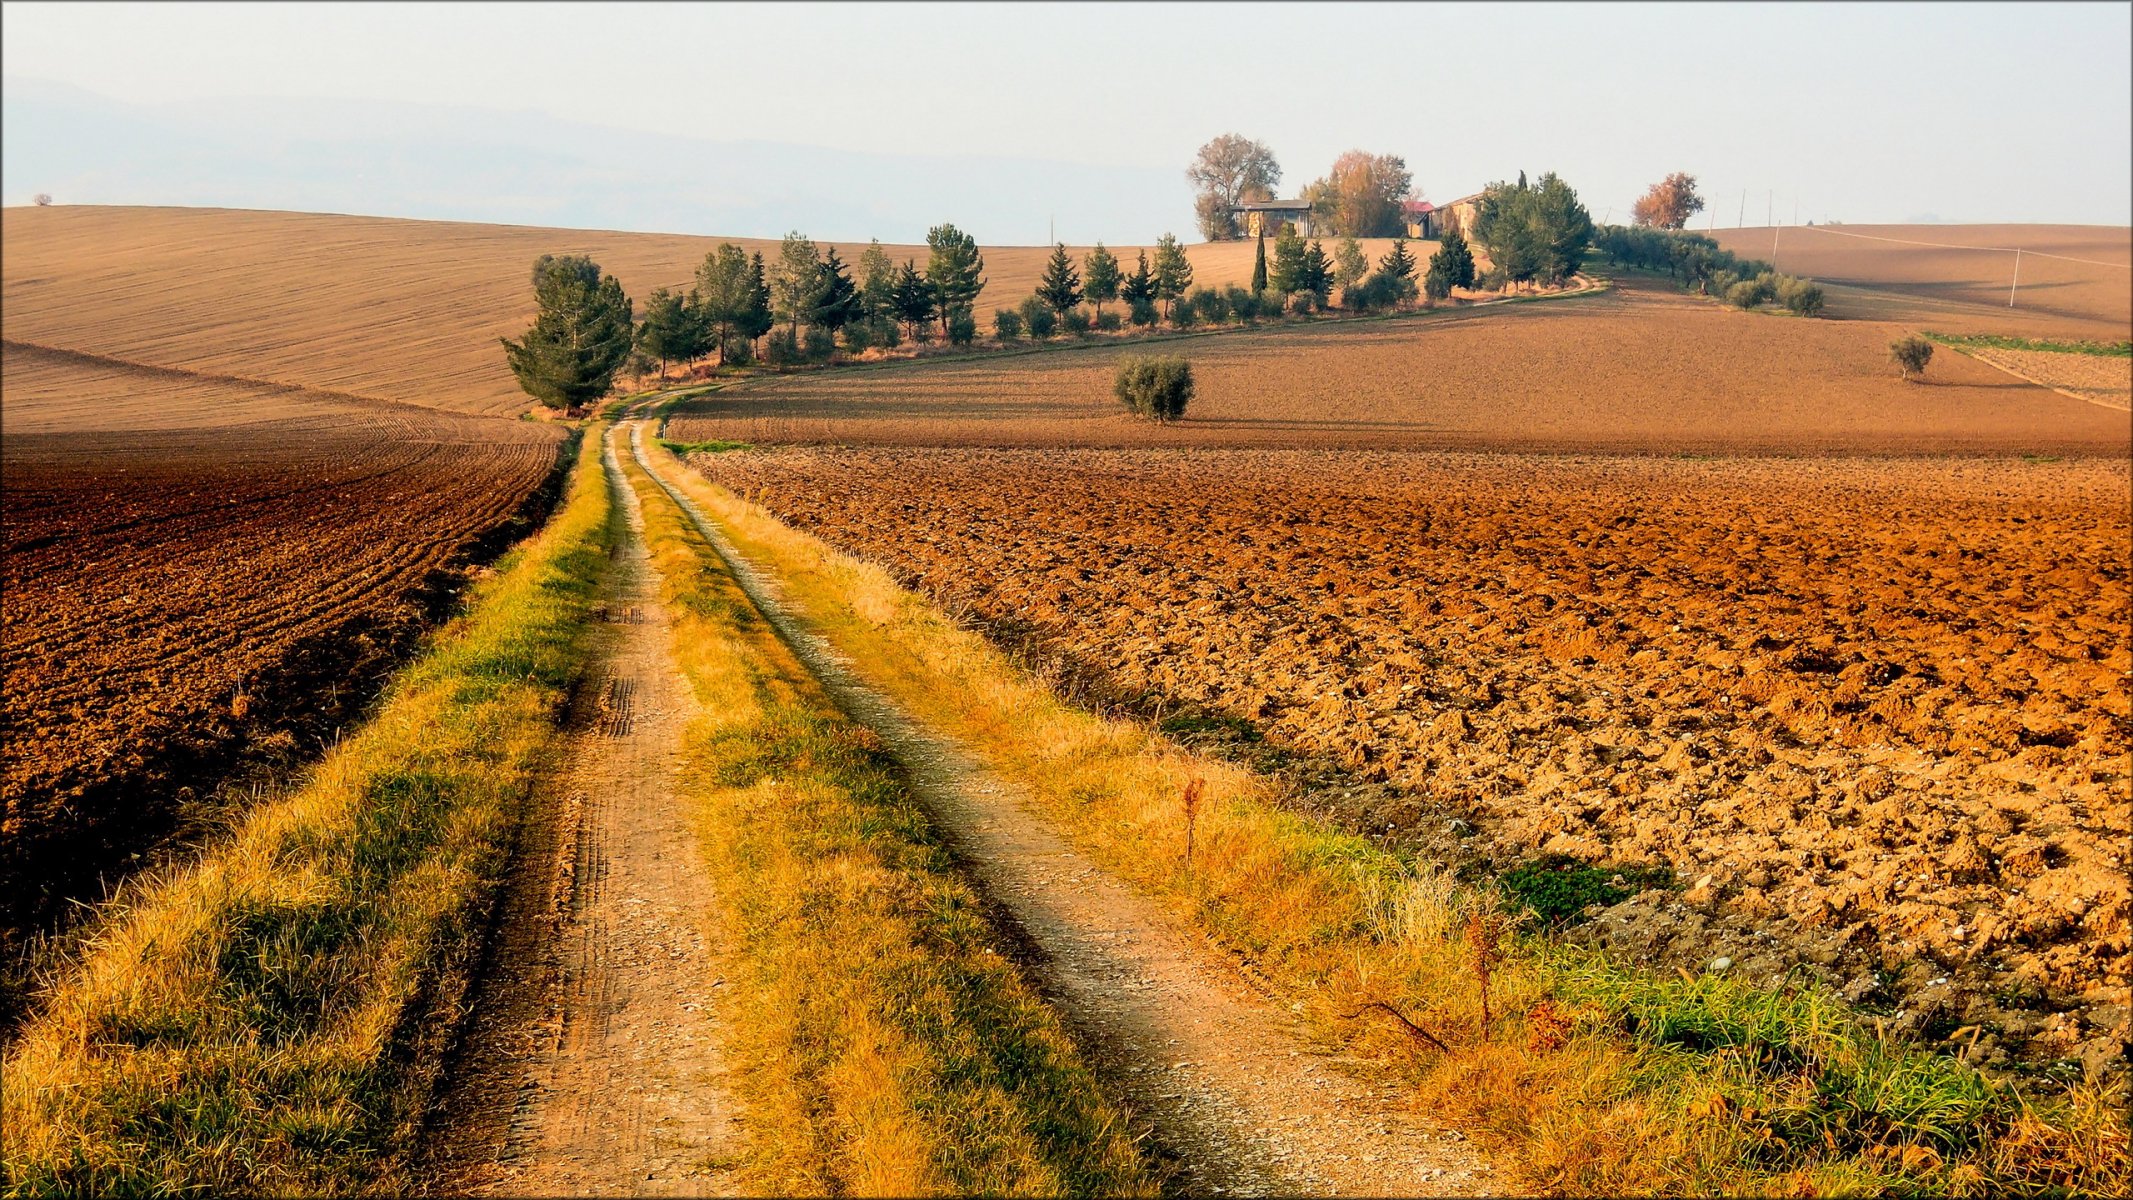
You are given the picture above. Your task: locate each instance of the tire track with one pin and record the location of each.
(1231, 1088)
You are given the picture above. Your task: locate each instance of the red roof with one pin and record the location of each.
(1419, 207)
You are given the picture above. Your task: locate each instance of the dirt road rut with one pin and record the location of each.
(1236, 1095)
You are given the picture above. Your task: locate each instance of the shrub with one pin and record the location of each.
(1212, 305)
(1303, 304)
(1076, 321)
(1911, 353)
(887, 333)
(858, 336)
(962, 329)
(1109, 322)
(1143, 313)
(1243, 306)
(819, 344)
(1184, 315)
(1745, 294)
(739, 352)
(1801, 296)
(1355, 298)
(1039, 318)
(1007, 324)
(782, 349)
(1156, 388)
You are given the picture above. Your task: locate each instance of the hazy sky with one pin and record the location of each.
(1971, 111)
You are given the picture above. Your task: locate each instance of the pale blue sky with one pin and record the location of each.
(1863, 113)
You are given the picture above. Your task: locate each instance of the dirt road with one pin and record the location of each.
(1235, 1094)
(594, 1065)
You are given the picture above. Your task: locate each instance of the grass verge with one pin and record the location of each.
(1581, 1075)
(269, 1018)
(1961, 341)
(884, 1047)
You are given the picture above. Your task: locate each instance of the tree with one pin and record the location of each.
(1451, 266)
(1139, 287)
(877, 281)
(1533, 232)
(1038, 316)
(581, 335)
(1669, 204)
(915, 301)
(1911, 353)
(837, 302)
(42, 199)
(955, 272)
(755, 320)
(725, 291)
(1287, 276)
(1315, 273)
(1061, 285)
(1399, 262)
(1156, 388)
(1226, 172)
(676, 328)
(1173, 271)
(1099, 274)
(1364, 195)
(1349, 265)
(1259, 267)
(794, 280)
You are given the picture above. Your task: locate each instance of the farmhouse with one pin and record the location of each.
(1429, 221)
(1260, 217)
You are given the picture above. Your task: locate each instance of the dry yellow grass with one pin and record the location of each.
(393, 309)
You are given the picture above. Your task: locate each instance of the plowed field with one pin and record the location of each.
(1643, 368)
(193, 567)
(1873, 713)
(1915, 274)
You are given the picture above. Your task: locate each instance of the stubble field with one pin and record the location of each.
(1872, 713)
(1639, 369)
(196, 568)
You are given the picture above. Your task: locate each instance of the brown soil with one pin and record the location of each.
(228, 580)
(1874, 713)
(593, 1065)
(2096, 378)
(400, 310)
(1231, 1089)
(1643, 368)
(1962, 291)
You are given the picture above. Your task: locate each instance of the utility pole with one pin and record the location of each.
(1741, 222)
(1773, 248)
(1051, 229)
(1770, 208)
(2017, 277)
(1795, 210)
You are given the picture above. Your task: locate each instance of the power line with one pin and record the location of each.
(1952, 246)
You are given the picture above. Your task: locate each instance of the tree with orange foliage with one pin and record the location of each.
(1362, 195)
(1670, 203)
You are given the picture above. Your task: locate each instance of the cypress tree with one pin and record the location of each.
(1061, 286)
(580, 337)
(1259, 266)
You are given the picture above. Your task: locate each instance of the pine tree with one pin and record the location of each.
(1259, 267)
(1398, 262)
(580, 337)
(1451, 266)
(955, 271)
(1315, 274)
(1061, 286)
(1099, 273)
(662, 331)
(837, 301)
(758, 318)
(1139, 287)
(1173, 271)
(877, 282)
(914, 300)
(1349, 265)
(1287, 276)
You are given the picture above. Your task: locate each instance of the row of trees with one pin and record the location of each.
(740, 299)
(1699, 262)
(1364, 195)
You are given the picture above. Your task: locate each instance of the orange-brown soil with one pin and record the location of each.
(228, 575)
(1873, 713)
(1642, 368)
(1962, 291)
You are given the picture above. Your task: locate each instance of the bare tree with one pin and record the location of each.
(1228, 171)
(43, 199)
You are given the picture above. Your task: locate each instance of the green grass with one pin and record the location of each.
(270, 1017)
(712, 447)
(1557, 889)
(1993, 342)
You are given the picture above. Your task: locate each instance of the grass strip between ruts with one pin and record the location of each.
(884, 1047)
